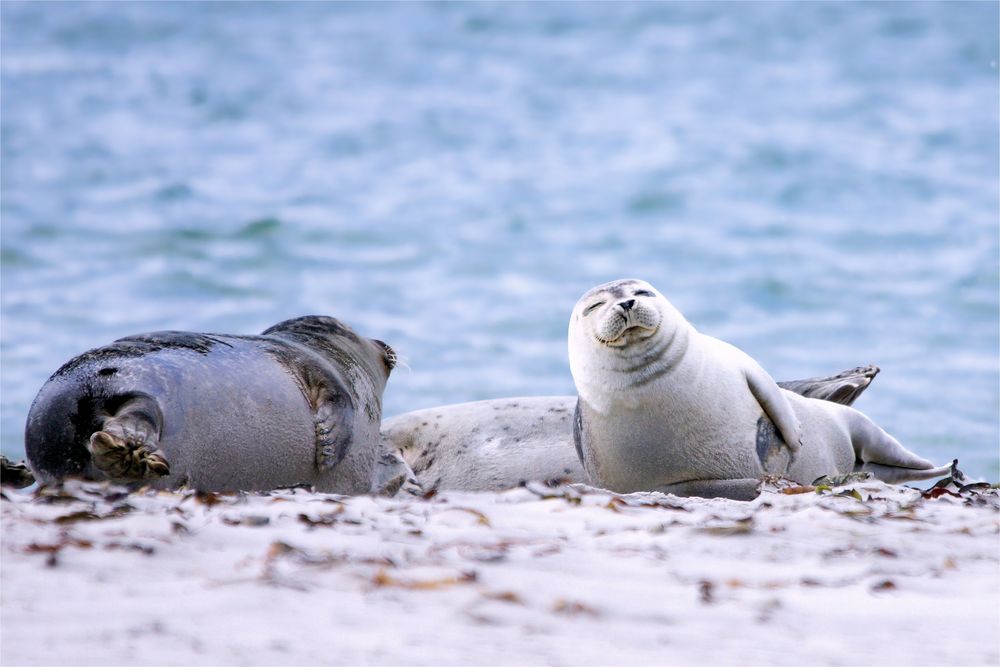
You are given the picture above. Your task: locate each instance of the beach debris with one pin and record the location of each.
(574, 608)
(503, 596)
(383, 578)
(16, 475)
(53, 549)
(724, 528)
(706, 591)
(252, 520)
(883, 586)
(831, 481)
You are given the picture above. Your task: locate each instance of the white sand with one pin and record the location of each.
(295, 578)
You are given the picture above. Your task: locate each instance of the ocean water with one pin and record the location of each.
(815, 183)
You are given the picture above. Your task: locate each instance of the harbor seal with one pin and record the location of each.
(299, 404)
(497, 444)
(664, 408)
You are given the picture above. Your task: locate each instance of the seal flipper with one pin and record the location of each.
(882, 455)
(333, 414)
(578, 432)
(392, 473)
(896, 475)
(125, 448)
(775, 406)
(843, 388)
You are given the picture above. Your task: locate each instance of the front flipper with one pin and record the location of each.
(392, 473)
(333, 416)
(735, 489)
(776, 406)
(126, 448)
(843, 388)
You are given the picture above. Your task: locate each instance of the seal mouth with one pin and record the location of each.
(632, 333)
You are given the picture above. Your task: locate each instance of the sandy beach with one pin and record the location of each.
(863, 574)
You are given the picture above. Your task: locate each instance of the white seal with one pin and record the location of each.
(488, 445)
(664, 408)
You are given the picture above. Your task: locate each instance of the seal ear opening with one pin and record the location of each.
(388, 355)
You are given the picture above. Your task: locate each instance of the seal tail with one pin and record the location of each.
(126, 448)
(843, 388)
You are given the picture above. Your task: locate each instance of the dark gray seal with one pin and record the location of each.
(299, 404)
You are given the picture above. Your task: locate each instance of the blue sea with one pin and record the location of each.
(816, 183)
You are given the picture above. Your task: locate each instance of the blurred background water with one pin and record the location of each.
(816, 183)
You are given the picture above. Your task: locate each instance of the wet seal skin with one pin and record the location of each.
(665, 408)
(299, 404)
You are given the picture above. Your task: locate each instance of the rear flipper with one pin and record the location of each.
(879, 453)
(896, 475)
(841, 388)
(125, 449)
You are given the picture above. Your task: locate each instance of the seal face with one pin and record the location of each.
(663, 407)
(298, 404)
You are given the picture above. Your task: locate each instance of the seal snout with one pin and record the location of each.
(629, 321)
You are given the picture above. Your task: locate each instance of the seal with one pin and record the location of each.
(487, 445)
(497, 444)
(663, 407)
(299, 404)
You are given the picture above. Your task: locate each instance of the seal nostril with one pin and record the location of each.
(627, 305)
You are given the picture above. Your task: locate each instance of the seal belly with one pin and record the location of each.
(667, 438)
(253, 427)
